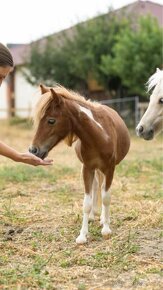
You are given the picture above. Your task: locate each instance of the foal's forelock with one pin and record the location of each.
(41, 108)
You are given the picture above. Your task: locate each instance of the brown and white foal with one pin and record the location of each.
(102, 141)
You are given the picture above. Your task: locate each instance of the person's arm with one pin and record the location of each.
(28, 158)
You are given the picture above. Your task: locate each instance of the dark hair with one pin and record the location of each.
(6, 58)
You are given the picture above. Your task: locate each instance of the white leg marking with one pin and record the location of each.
(105, 220)
(87, 204)
(102, 216)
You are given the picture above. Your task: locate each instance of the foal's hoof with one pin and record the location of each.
(106, 232)
(81, 240)
(91, 217)
(101, 222)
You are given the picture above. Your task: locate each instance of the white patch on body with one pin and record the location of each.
(89, 114)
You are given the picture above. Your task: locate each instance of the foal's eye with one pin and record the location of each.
(51, 121)
(161, 101)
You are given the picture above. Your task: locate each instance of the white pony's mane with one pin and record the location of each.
(154, 79)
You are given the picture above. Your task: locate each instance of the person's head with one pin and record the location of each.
(6, 62)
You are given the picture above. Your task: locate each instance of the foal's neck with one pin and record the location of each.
(83, 123)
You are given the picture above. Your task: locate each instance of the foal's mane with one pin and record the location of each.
(46, 99)
(71, 95)
(154, 79)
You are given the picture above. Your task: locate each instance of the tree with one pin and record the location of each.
(118, 53)
(71, 61)
(137, 53)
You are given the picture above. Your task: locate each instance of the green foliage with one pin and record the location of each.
(22, 173)
(137, 52)
(93, 40)
(72, 61)
(111, 50)
(42, 62)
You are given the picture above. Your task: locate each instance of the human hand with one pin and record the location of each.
(34, 160)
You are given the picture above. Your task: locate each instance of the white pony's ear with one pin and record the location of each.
(157, 69)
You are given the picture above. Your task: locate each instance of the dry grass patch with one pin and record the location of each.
(41, 212)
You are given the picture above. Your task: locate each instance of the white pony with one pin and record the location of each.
(152, 121)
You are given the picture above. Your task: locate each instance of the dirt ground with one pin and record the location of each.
(41, 214)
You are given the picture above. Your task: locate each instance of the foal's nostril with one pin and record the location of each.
(140, 129)
(33, 150)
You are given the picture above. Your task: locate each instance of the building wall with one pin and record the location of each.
(3, 101)
(26, 95)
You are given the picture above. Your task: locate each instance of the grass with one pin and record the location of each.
(141, 167)
(21, 173)
(41, 214)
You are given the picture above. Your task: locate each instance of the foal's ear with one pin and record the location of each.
(57, 98)
(44, 89)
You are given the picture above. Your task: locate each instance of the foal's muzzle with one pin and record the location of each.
(144, 133)
(37, 152)
(33, 150)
